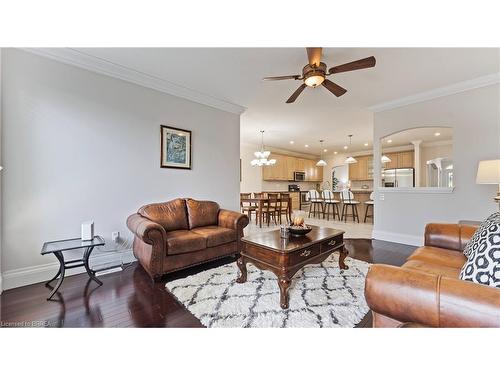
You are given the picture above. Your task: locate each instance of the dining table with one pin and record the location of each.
(261, 203)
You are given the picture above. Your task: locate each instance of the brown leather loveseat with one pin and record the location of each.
(184, 232)
(426, 290)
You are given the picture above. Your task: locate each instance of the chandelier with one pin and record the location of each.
(261, 157)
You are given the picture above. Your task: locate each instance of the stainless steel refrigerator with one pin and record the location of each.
(399, 177)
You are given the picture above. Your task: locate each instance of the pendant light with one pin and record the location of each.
(350, 159)
(321, 162)
(384, 159)
(262, 155)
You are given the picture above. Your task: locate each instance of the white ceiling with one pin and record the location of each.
(235, 75)
(427, 135)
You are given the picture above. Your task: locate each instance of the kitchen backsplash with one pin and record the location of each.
(283, 186)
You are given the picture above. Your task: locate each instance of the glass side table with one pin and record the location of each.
(59, 247)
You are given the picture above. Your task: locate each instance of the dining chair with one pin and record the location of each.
(272, 208)
(329, 202)
(369, 204)
(284, 206)
(348, 200)
(247, 207)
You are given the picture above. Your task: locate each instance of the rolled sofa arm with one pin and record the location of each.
(431, 300)
(149, 243)
(147, 230)
(448, 236)
(233, 220)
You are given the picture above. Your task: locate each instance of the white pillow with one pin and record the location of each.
(483, 263)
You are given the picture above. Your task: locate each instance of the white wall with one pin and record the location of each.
(251, 177)
(475, 118)
(77, 145)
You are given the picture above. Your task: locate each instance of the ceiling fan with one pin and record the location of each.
(315, 73)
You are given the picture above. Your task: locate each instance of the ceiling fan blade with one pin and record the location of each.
(279, 78)
(368, 62)
(334, 88)
(314, 55)
(297, 92)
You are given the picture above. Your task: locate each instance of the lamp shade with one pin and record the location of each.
(488, 172)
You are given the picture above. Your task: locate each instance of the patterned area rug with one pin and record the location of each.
(321, 295)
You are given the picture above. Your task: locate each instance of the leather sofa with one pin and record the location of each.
(427, 292)
(182, 233)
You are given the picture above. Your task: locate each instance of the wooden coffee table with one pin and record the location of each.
(284, 257)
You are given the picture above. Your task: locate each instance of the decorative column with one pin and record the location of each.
(416, 161)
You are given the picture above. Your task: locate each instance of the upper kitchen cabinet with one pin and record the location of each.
(402, 159)
(278, 171)
(361, 171)
(286, 165)
(406, 159)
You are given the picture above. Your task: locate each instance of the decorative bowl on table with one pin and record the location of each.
(299, 230)
(298, 227)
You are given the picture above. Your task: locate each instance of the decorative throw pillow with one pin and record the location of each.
(483, 265)
(473, 244)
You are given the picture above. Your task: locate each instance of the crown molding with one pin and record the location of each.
(102, 66)
(456, 88)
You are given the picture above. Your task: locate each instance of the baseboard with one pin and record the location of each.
(35, 274)
(405, 239)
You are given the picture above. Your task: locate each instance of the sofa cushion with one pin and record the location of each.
(483, 265)
(432, 268)
(437, 255)
(184, 241)
(170, 215)
(201, 213)
(215, 235)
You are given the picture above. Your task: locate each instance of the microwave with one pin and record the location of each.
(299, 176)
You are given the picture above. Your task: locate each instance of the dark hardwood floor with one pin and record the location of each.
(130, 299)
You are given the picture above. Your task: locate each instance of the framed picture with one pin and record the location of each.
(175, 148)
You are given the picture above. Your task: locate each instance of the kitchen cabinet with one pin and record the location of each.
(402, 159)
(286, 165)
(406, 159)
(360, 171)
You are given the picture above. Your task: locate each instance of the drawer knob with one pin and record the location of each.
(332, 243)
(305, 253)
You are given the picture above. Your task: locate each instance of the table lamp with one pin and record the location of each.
(488, 172)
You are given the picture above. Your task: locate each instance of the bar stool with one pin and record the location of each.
(369, 204)
(347, 198)
(247, 207)
(315, 200)
(330, 202)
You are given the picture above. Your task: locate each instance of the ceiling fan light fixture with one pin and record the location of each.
(314, 80)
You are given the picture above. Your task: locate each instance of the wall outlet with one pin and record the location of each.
(381, 197)
(115, 236)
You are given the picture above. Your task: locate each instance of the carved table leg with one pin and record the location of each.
(342, 255)
(242, 265)
(284, 284)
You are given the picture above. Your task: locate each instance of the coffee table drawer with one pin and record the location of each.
(332, 243)
(303, 255)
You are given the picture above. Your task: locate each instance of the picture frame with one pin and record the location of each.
(175, 148)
